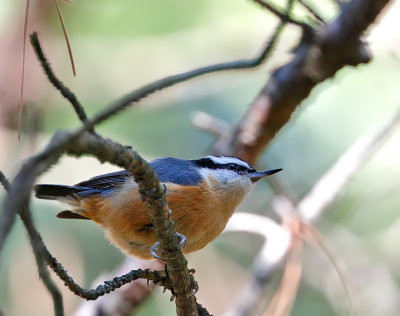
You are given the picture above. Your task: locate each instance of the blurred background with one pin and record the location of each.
(119, 46)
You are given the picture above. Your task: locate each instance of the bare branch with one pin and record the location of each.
(202, 311)
(328, 187)
(65, 91)
(105, 150)
(276, 245)
(282, 16)
(124, 301)
(137, 95)
(209, 123)
(35, 240)
(21, 93)
(57, 146)
(312, 205)
(4, 181)
(151, 191)
(312, 11)
(43, 272)
(318, 57)
(71, 58)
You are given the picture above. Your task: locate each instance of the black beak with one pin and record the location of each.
(257, 175)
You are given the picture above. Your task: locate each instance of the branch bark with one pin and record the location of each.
(319, 55)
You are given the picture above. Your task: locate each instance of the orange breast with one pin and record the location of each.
(198, 214)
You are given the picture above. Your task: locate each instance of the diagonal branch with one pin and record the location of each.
(43, 272)
(58, 145)
(88, 294)
(318, 57)
(312, 11)
(282, 16)
(310, 207)
(105, 150)
(151, 191)
(328, 187)
(65, 91)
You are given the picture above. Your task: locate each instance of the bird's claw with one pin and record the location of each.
(154, 248)
(195, 289)
(182, 242)
(153, 251)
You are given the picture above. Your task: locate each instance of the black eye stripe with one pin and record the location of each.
(210, 164)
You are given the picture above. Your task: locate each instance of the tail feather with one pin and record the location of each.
(64, 193)
(54, 192)
(71, 215)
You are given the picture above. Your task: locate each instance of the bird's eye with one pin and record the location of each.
(232, 166)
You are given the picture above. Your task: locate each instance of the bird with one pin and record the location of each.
(202, 195)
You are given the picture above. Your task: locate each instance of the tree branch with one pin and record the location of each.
(318, 57)
(151, 191)
(125, 300)
(312, 11)
(55, 149)
(43, 272)
(309, 209)
(65, 91)
(280, 15)
(328, 187)
(105, 150)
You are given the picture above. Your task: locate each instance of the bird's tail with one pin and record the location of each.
(56, 192)
(62, 193)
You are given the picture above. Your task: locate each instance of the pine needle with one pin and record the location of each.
(66, 37)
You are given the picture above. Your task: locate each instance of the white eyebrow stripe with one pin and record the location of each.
(225, 160)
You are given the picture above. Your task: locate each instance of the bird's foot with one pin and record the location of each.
(155, 248)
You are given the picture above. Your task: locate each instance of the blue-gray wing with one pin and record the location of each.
(179, 171)
(173, 170)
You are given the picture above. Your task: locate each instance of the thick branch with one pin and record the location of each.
(318, 57)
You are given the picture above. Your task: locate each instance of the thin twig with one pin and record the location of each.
(158, 85)
(137, 95)
(210, 123)
(4, 181)
(71, 58)
(43, 272)
(277, 241)
(21, 93)
(319, 56)
(332, 182)
(122, 302)
(65, 91)
(106, 287)
(282, 16)
(312, 11)
(105, 150)
(311, 207)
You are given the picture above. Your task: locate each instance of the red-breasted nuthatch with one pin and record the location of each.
(202, 195)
